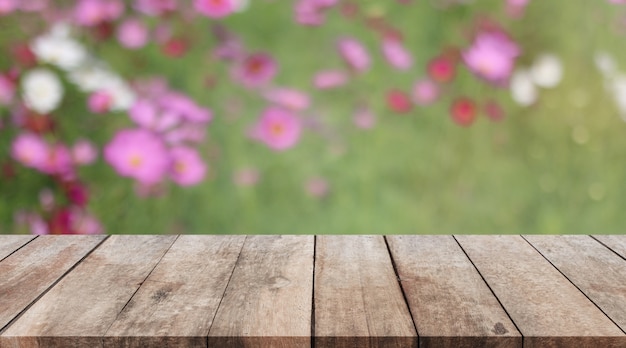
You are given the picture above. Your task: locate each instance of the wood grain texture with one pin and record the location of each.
(450, 303)
(593, 268)
(83, 305)
(358, 301)
(268, 300)
(10, 243)
(616, 243)
(30, 271)
(548, 310)
(175, 306)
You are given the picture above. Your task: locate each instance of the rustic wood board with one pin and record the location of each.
(180, 297)
(11, 243)
(614, 242)
(268, 300)
(33, 269)
(80, 308)
(593, 268)
(548, 310)
(358, 301)
(450, 302)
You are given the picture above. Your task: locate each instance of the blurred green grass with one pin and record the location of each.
(556, 167)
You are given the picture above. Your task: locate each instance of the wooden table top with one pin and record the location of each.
(305, 291)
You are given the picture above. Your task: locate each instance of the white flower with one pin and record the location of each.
(546, 71)
(41, 90)
(523, 90)
(241, 5)
(58, 49)
(605, 63)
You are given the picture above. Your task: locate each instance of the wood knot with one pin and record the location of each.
(278, 282)
(499, 329)
(160, 295)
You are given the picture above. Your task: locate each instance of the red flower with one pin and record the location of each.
(399, 101)
(442, 69)
(463, 111)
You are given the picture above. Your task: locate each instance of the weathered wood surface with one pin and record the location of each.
(268, 299)
(614, 242)
(9, 244)
(82, 306)
(450, 303)
(307, 291)
(358, 302)
(177, 302)
(548, 310)
(31, 270)
(595, 270)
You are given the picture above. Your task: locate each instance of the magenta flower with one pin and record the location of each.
(288, 98)
(100, 102)
(7, 88)
(364, 118)
(93, 12)
(84, 152)
(132, 34)
(354, 54)
(155, 7)
(396, 54)
(187, 166)
(215, 8)
(328, 79)
(58, 161)
(425, 92)
(279, 129)
(30, 150)
(138, 154)
(255, 70)
(144, 113)
(492, 57)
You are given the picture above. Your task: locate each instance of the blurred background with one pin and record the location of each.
(538, 150)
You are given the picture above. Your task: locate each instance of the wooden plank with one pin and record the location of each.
(594, 269)
(450, 303)
(616, 243)
(30, 271)
(83, 305)
(268, 299)
(548, 310)
(358, 301)
(175, 306)
(10, 243)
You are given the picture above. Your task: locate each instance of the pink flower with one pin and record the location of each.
(144, 113)
(187, 166)
(354, 54)
(364, 117)
(132, 33)
(255, 70)
(155, 7)
(491, 57)
(30, 150)
(289, 98)
(185, 107)
(84, 223)
(58, 161)
(93, 12)
(317, 187)
(307, 12)
(84, 152)
(246, 177)
(425, 92)
(8, 6)
(396, 54)
(328, 79)
(7, 89)
(138, 154)
(100, 102)
(515, 8)
(278, 129)
(215, 8)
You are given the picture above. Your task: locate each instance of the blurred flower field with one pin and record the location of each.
(312, 116)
